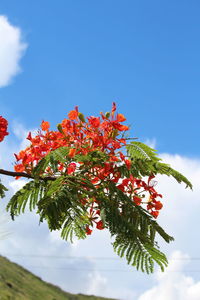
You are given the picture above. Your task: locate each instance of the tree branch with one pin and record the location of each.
(22, 174)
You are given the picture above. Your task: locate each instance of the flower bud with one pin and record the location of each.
(60, 129)
(107, 114)
(81, 117)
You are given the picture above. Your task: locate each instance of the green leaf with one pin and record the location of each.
(3, 189)
(145, 162)
(138, 150)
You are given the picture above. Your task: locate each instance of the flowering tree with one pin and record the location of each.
(89, 174)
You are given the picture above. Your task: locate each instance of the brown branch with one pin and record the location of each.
(22, 174)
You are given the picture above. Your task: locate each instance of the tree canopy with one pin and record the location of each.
(89, 174)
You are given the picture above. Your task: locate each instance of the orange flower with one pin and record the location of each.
(128, 163)
(19, 168)
(114, 158)
(72, 152)
(45, 125)
(95, 122)
(73, 114)
(158, 205)
(154, 213)
(123, 128)
(120, 118)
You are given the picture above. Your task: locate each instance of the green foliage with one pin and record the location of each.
(138, 150)
(3, 189)
(51, 160)
(134, 231)
(61, 155)
(58, 200)
(30, 193)
(146, 162)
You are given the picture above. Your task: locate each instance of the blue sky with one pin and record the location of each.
(144, 55)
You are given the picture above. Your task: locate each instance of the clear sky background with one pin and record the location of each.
(145, 56)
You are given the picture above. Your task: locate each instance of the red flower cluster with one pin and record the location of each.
(105, 134)
(82, 137)
(3, 128)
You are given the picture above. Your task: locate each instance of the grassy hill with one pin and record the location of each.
(16, 283)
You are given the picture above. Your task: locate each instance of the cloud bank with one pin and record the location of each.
(12, 48)
(174, 284)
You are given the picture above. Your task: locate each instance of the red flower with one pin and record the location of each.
(72, 152)
(45, 125)
(123, 127)
(114, 158)
(150, 206)
(158, 205)
(73, 114)
(120, 118)
(88, 230)
(95, 122)
(3, 128)
(95, 180)
(154, 213)
(102, 135)
(99, 225)
(29, 137)
(121, 187)
(128, 163)
(125, 181)
(137, 200)
(71, 168)
(122, 156)
(19, 168)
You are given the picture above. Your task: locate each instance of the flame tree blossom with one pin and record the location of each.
(3, 128)
(88, 174)
(104, 134)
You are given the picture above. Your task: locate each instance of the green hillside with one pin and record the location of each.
(16, 283)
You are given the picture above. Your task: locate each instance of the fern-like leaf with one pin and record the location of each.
(31, 193)
(138, 150)
(3, 189)
(134, 230)
(146, 162)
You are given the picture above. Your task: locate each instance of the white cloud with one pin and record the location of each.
(17, 184)
(21, 133)
(4, 232)
(180, 214)
(59, 262)
(151, 143)
(98, 283)
(174, 284)
(12, 48)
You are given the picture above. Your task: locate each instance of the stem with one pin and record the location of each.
(22, 174)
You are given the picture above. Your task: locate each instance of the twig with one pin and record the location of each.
(22, 174)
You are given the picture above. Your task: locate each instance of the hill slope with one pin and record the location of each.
(16, 283)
